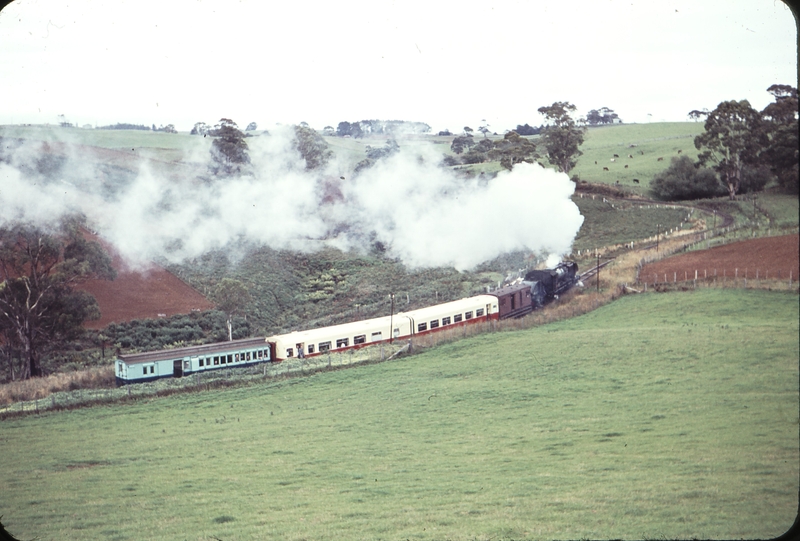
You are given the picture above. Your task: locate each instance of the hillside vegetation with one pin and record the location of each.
(290, 290)
(671, 415)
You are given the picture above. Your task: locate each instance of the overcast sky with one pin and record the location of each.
(447, 63)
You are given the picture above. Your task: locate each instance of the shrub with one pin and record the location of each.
(683, 179)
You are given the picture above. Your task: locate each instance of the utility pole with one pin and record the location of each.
(598, 272)
(658, 232)
(391, 320)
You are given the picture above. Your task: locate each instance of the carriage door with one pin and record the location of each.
(177, 368)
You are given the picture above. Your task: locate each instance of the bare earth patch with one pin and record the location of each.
(764, 258)
(150, 294)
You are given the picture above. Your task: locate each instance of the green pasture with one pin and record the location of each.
(657, 416)
(781, 210)
(616, 222)
(113, 139)
(653, 141)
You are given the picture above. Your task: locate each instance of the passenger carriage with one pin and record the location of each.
(402, 325)
(178, 362)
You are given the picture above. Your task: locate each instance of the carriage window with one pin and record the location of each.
(144, 370)
(230, 358)
(236, 358)
(456, 318)
(311, 348)
(445, 321)
(468, 315)
(422, 327)
(201, 362)
(324, 346)
(434, 323)
(289, 352)
(260, 353)
(479, 312)
(186, 365)
(342, 342)
(216, 360)
(360, 339)
(377, 336)
(152, 368)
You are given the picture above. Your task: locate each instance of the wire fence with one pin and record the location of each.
(570, 305)
(200, 381)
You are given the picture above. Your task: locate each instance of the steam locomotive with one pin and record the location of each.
(517, 299)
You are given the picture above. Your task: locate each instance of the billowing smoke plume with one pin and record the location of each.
(419, 212)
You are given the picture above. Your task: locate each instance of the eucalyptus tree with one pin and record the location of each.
(562, 135)
(40, 306)
(733, 138)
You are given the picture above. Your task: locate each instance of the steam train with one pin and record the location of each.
(517, 299)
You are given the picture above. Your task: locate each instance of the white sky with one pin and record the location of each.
(447, 63)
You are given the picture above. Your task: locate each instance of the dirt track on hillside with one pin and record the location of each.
(762, 258)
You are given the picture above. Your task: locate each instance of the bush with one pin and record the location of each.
(683, 179)
(755, 178)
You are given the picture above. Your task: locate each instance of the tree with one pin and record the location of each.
(781, 130)
(733, 137)
(231, 297)
(683, 179)
(40, 308)
(251, 127)
(460, 143)
(346, 128)
(513, 149)
(562, 136)
(696, 115)
(602, 116)
(468, 131)
(228, 150)
(389, 148)
(200, 128)
(527, 130)
(312, 147)
(484, 128)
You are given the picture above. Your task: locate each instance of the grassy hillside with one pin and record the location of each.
(653, 141)
(658, 416)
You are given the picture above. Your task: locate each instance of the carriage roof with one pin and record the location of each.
(192, 351)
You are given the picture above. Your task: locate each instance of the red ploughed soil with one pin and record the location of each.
(770, 257)
(138, 295)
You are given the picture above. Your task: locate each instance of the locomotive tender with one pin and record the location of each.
(510, 301)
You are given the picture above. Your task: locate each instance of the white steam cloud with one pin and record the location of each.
(423, 214)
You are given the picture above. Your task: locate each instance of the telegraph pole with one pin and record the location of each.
(598, 272)
(658, 232)
(391, 320)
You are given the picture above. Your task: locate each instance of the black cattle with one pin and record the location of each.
(636, 181)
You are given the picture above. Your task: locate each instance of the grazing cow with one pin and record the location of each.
(660, 159)
(641, 152)
(636, 181)
(595, 162)
(679, 151)
(605, 168)
(616, 155)
(616, 183)
(613, 159)
(630, 155)
(626, 166)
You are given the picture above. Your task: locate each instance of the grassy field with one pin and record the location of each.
(653, 141)
(615, 222)
(658, 416)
